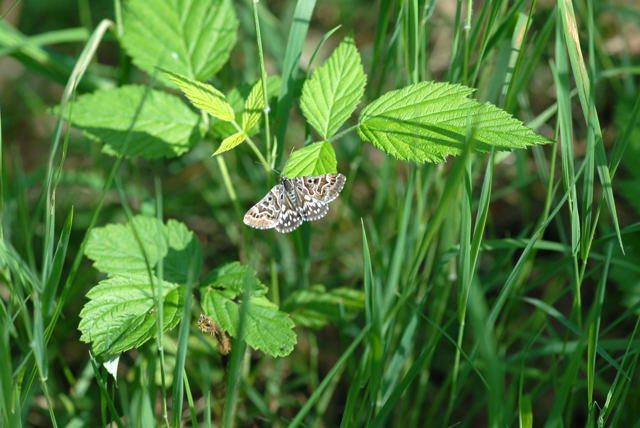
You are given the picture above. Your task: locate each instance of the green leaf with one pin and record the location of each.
(120, 313)
(267, 328)
(115, 250)
(204, 96)
(253, 107)
(135, 121)
(183, 262)
(334, 90)
(193, 38)
(314, 159)
(238, 99)
(428, 121)
(315, 307)
(230, 142)
(229, 278)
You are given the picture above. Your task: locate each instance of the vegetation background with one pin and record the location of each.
(488, 290)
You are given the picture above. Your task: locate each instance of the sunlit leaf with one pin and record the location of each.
(115, 249)
(267, 328)
(428, 121)
(135, 121)
(120, 313)
(334, 90)
(314, 159)
(230, 142)
(238, 99)
(253, 107)
(192, 38)
(204, 96)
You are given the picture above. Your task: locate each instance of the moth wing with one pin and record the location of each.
(311, 208)
(265, 214)
(289, 218)
(325, 188)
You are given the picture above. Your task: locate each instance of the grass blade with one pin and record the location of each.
(594, 331)
(295, 43)
(51, 285)
(585, 93)
(327, 379)
(234, 372)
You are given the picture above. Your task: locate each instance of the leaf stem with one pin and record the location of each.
(253, 146)
(342, 133)
(466, 29)
(263, 80)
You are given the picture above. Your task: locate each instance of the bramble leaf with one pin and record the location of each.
(183, 262)
(314, 159)
(120, 313)
(428, 121)
(204, 96)
(316, 306)
(267, 328)
(253, 107)
(115, 249)
(334, 90)
(230, 142)
(193, 38)
(135, 121)
(238, 99)
(231, 276)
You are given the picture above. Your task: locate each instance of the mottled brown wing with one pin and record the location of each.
(324, 188)
(311, 208)
(289, 218)
(266, 213)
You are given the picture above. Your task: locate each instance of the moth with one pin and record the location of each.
(208, 325)
(295, 200)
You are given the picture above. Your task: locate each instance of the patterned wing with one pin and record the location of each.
(289, 218)
(311, 208)
(266, 213)
(324, 188)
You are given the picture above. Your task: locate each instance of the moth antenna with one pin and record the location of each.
(272, 169)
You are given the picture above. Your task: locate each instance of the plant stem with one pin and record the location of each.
(466, 29)
(263, 80)
(342, 133)
(253, 146)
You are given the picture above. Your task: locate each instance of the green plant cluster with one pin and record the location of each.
(480, 266)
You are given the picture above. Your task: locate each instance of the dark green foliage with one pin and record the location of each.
(480, 267)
